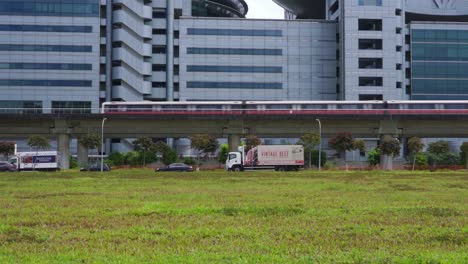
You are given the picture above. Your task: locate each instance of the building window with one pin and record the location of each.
(235, 32)
(370, 44)
(47, 28)
(370, 2)
(159, 67)
(71, 107)
(20, 107)
(370, 81)
(234, 85)
(370, 24)
(158, 31)
(48, 83)
(230, 51)
(46, 66)
(78, 8)
(242, 69)
(45, 48)
(370, 63)
(159, 49)
(370, 97)
(159, 13)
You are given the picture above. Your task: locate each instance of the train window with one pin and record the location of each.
(313, 106)
(397, 106)
(174, 107)
(421, 106)
(209, 107)
(349, 107)
(279, 107)
(139, 108)
(455, 106)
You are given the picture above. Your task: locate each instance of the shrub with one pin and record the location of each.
(390, 147)
(73, 163)
(169, 156)
(421, 160)
(373, 157)
(223, 153)
(439, 147)
(189, 161)
(133, 158)
(443, 159)
(315, 158)
(116, 159)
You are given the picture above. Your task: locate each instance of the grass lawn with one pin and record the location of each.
(138, 216)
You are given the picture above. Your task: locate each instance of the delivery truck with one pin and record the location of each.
(267, 157)
(38, 161)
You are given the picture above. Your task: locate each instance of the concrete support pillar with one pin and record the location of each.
(386, 161)
(63, 144)
(82, 155)
(234, 142)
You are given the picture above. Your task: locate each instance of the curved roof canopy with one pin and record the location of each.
(306, 9)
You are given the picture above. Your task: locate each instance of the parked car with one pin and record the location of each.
(96, 167)
(177, 167)
(7, 166)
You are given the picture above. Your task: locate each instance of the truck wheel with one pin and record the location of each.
(237, 169)
(281, 168)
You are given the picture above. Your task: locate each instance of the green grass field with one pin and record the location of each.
(138, 216)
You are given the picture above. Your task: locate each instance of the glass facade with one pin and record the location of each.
(235, 32)
(78, 8)
(227, 51)
(20, 107)
(46, 28)
(46, 83)
(439, 65)
(46, 66)
(243, 69)
(45, 48)
(234, 85)
(71, 107)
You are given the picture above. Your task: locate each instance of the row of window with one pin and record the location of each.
(71, 107)
(235, 85)
(49, 83)
(45, 48)
(227, 51)
(370, 2)
(46, 28)
(439, 70)
(436, 86)
(20, 104)
(439, 52)
(439, 35)
(46, 66)
(235, 32)
(80, 8)
(243, 69)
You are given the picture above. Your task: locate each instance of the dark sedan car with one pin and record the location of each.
(181, 167)
(7, 166)
(96, 167)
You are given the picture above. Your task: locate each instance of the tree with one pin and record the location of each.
(38, 143)
(7, 148)
(90, 141)
(342, 142)
(390, 147)
(439, 152)
(169, 156)
(223, 153)
(373, 157)
(415, 146)
(310, 142)
(251, 141)
(145, 146)
(204, 144)
(464, 150)
(439, 147)
(359, 145)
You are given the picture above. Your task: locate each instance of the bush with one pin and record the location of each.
(116, 159)
(443, 159)
(73, 163)
(421, 160)
(373, 158)
(223, 154)
(169, 156)
(133, 158)
(190, 161)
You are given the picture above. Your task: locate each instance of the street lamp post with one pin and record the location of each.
(320, 144)
(102, 144)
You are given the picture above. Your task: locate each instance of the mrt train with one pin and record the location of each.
(287, 108)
